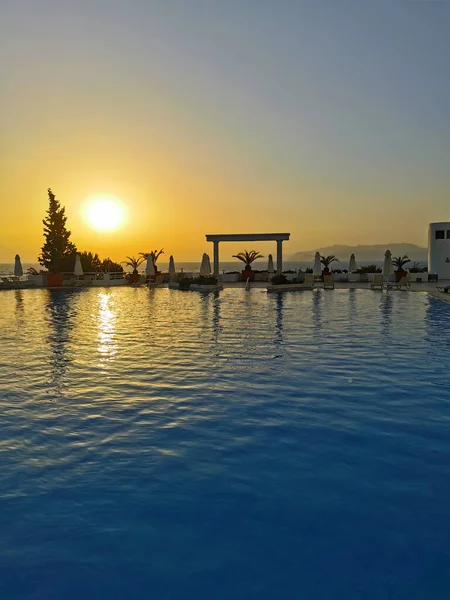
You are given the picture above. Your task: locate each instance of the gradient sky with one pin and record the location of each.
(330, 120)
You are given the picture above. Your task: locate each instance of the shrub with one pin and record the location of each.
(279, 279)
(111, 266)
(416, 268)
(185, 283)
(202, 280)
(369, 269)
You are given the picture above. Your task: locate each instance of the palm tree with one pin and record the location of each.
(134, 263)
(155, 254)
(400, 261)
(327, 260)
(248, 258)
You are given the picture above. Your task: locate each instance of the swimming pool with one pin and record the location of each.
(165, 444)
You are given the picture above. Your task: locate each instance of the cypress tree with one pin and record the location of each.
(57, 247)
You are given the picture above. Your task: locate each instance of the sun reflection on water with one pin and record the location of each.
(107, 346)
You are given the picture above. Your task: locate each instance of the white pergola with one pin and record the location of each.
(279, 238)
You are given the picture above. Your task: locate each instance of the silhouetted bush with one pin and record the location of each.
(369, 269)
(279, 279)
(185, 283)
(202, 280)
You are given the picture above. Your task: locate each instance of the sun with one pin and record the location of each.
(104, 213)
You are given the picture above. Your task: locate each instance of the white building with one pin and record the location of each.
(439, 249)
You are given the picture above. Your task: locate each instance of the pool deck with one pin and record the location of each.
(429, 287)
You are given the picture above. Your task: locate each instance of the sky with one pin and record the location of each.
(326, 119)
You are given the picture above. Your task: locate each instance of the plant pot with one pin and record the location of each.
(55, 279)
(248, 274)
(399, 275)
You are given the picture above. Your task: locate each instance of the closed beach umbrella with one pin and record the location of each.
(78, 268)
(352, 268)
(150, 267)
(18, 271)
(388, 268)
(205, 267)
(270, 264)
(317, 268)
(172, 271)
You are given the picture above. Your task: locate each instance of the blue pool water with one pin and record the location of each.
(168, 445)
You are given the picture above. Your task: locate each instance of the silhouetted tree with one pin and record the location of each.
(58, 250)
(90, 262)
(109, 266)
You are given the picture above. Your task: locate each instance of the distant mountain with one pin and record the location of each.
(365, 253)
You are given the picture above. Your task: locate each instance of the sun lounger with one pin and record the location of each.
(328, 282)
(377, 282)
(403, 282)
(10, 282)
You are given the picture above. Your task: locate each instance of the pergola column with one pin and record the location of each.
(279, 257)
(216, 258)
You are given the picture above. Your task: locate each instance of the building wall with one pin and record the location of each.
(439, 249)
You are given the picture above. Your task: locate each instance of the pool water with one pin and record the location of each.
(164, 444)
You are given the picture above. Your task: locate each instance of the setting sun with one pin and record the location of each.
(104, 213)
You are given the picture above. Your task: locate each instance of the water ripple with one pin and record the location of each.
(240, 445)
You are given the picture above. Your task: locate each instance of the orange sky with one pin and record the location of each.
(336, 131)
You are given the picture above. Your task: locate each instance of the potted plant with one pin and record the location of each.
(247, 258)
(399, 262)
(326, 261)
(134, 263)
